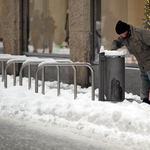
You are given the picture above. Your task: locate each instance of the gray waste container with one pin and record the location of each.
(112, 76)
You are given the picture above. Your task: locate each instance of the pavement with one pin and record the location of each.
(24, 135)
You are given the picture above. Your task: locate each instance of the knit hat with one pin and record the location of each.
(121, 27)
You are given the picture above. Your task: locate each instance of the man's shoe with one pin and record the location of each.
(146, 101)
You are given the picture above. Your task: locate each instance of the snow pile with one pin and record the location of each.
(111, 52)
(123, 125)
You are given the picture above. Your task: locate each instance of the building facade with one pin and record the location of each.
(69, 29)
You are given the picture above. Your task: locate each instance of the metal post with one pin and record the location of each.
(3, 70)
(92, 80)
(20, 78)
(43, 80)
(75, 82)
(58, 80)
(36, 81)
(29, 76)
(14, 74)
(5, 78)
(102, 60)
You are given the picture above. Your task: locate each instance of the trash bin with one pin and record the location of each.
(112, 75)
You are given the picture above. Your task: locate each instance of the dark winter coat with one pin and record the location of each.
(138, 44)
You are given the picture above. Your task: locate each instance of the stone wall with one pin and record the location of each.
(79, 29)
(25, 27)
(11, 26)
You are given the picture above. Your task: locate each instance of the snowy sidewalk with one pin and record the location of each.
(123, 125)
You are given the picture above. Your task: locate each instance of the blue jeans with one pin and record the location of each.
(145, 76)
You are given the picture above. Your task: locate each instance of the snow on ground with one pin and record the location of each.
(123, 125)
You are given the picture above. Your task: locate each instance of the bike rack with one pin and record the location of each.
(57, 64)
(37, 62)
(42, 63)
(13, 61)
(28, 63)
(4, 58)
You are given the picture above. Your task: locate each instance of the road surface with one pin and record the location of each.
(22, 135)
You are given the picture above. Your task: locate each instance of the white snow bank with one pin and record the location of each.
(125, 125)
(111, 53)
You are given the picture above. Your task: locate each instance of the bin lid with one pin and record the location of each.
(112, 53)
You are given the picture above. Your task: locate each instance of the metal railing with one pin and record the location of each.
(28, 63)
(12, 61)
(44, 64)
(37, 62)
(6, 57)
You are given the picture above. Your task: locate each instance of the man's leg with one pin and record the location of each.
(148, 73)
(145, 85)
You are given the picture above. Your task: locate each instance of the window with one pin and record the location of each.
(48, 26)
(108, 12)
(1, 27)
